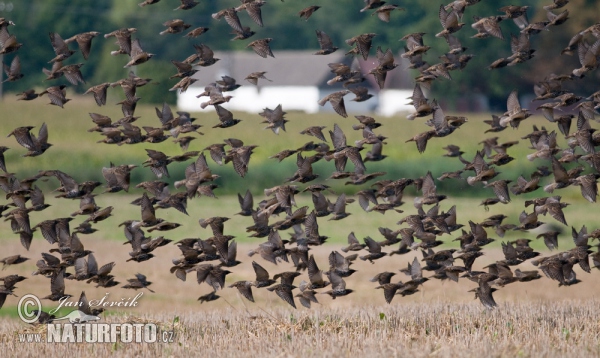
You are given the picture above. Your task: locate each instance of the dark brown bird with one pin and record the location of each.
(556, 4)
(60, 47)
(484, 293)
(337, 102)
(84, 41)
(231, 17)
(211, 296)
(550, 239)
(196, 32)
(57, 95)
(253, 10)
(216, 98)
(340, 265)
(148, 2)
(117, 177)
(421, 140)
(386, 64)
(325, 43)
(374, 249)
(363, 43)
(12, 260)
(353, 244)
(372, 4)
(187, 4)
(383, 277)
(225, 117)
(262, 276)
(488, 26)
(138, 282)
(243, 35)
(255, 76)
(138, 55)
(8, 42)
(383, 12)
(261, 47)
(501, 190)
(306, 13)
(450, 22)
(35, 146)
(72, 73)
(57, 286)
(175, 26)
(27, 95)
(306, 295)
(244, 288)
(99, 92)
(123, 37)
(284, 292)
(13, 73)
(338, 286)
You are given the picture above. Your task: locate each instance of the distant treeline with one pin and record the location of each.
(36, 18)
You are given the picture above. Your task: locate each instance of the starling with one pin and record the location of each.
(27, 95)
(337, 102)
(84, 41)
(13, 73)
(488, 26)
(60, 47)
(196, 32)
(363, 43)
(57, 286)
(255, 76)
(338, 286)
(306, 295)
(307, 12)
(175, 26)
(57, 95)
(138, 55)
(383, 12)
(12, 260)
(35, 146)
(325, 43)
(225, 117)
(99, 92)
(148, 2)
(450, 22)
(253, 10)
(244, 288)
(261, 47)
(284, 292)
(8, 42)
(187, 4)
(372, 4)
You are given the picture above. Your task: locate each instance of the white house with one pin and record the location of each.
(298, 81)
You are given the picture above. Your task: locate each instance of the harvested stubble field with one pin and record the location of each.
(441, 329)
(443, 319)
(533, 319)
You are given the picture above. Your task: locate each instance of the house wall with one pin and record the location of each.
(254, 100)
(394, 101)
(298, 98)
(352, 108)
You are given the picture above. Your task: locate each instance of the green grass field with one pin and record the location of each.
(441, 320)
(76, 152)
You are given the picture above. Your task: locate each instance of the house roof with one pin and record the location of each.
(288, 68)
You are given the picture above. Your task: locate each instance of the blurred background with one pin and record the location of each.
(475, 88)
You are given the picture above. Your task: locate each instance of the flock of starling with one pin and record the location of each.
(429, 226)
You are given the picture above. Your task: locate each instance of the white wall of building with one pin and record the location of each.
(296, 98)
(254, 100)
(393, 101)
